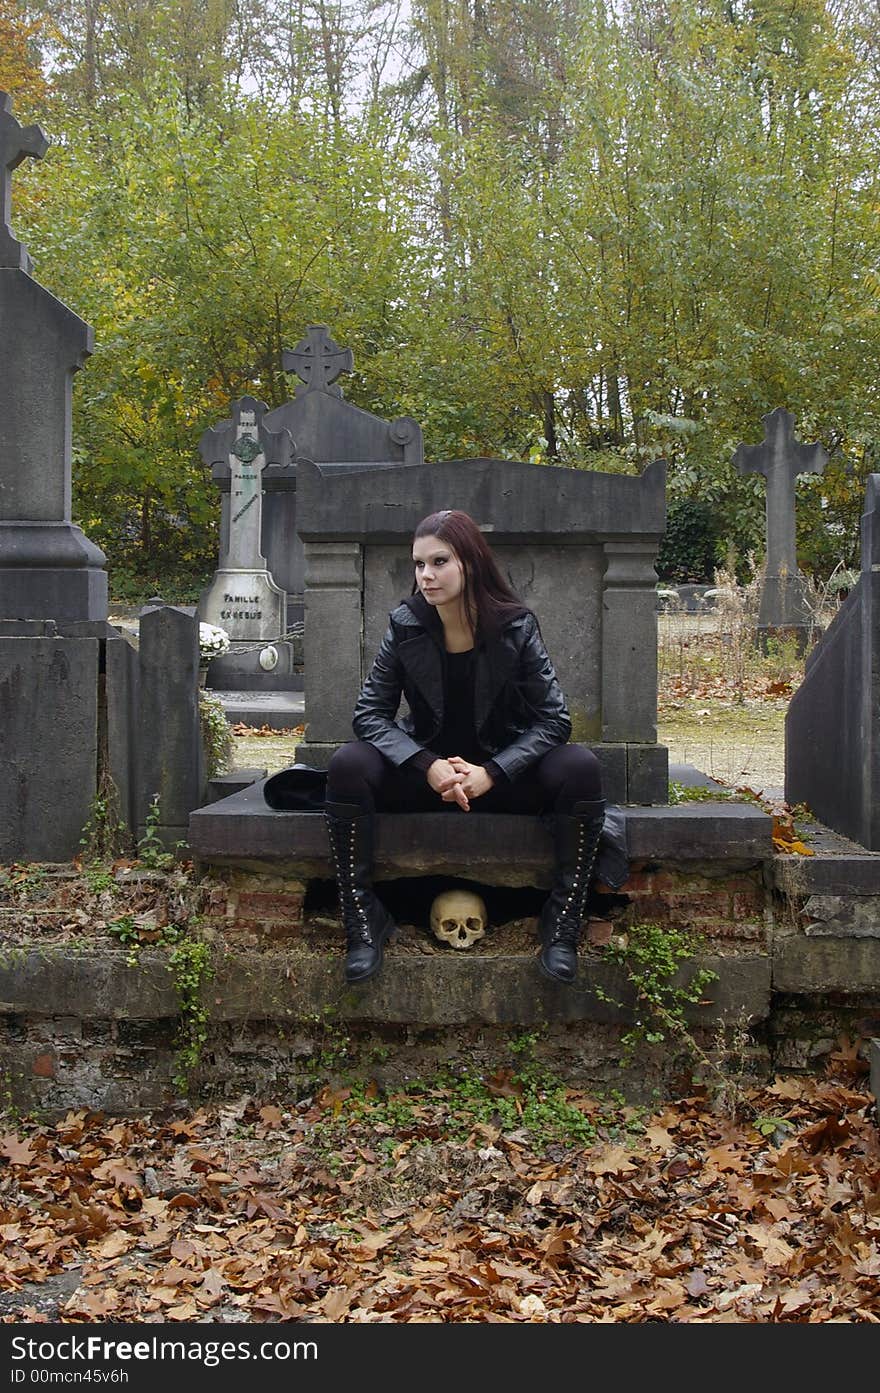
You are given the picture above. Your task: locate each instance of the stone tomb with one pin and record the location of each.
(579, 548)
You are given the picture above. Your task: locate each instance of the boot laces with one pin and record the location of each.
(566, 930)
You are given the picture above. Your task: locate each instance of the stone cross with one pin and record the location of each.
(16, 143)
(318, 361)
(247, 448)
(781, 458)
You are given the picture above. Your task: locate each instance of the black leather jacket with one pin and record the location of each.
(519, 710)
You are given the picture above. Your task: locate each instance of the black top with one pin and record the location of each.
(458, 735)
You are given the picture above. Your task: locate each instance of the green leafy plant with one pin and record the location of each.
(104, 835)
(98, 878)
(652, 957)
(151, 850)
(774, 1128)
(216, 735)
(689, 550)
(190, 966)
(124, 929)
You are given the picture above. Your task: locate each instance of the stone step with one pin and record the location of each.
(445, 988)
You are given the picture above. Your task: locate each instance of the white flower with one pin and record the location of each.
(212, 641)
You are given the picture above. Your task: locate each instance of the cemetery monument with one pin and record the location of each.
(48, 567)
(243, 597)
(781, 458)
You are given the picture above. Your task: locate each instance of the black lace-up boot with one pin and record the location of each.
(576, 840)
(367, 923)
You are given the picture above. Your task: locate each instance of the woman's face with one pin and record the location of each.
(439, 573)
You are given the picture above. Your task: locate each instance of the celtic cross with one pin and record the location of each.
(318, 361)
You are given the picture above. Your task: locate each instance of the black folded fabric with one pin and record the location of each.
(612, 857)
(299, 789)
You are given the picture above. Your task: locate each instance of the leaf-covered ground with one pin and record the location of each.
(358, 1206)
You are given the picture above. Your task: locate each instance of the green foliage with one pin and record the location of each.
(98, 878)
(191, 967)
(687, 793)
(530, 1098)
(151, 850)
(774, 1128)
(217, 737)
(652, 958)
(538, 235)
(132, 587)
(690, 550)
(104, 835)
(124, 929)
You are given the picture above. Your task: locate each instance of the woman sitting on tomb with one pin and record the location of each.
(487, 731)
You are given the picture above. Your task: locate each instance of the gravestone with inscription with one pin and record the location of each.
(48, 567)
(326, 428)
(784, 611)
(344, 438)
(243, 597)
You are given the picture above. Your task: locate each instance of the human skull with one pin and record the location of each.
(458, 918)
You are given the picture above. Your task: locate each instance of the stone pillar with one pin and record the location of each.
(333, 650)
(870, 666)
(629, 662)
(629, 668)
(123, 729)
(172, 762)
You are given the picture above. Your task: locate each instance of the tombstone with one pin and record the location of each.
(326, 428)
(832, 726)
(170, 764)
(784, 611)
(578, 547)
(48, 567)
(243, 597)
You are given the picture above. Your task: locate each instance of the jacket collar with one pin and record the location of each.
(426, 615)
(425, 657)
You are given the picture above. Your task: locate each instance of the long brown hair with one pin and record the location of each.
(489, 600)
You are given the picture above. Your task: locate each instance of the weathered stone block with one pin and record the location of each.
(48, 705)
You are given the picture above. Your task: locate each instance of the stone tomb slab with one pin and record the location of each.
(277, 710)
(504, 849)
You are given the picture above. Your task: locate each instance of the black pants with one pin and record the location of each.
(358, 773)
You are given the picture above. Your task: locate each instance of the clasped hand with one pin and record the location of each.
(457, 781)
